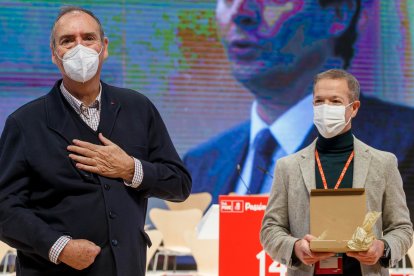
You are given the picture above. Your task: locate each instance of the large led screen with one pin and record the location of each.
(219, 70)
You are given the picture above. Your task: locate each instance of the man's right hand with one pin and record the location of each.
(79, 254)
(303, 252)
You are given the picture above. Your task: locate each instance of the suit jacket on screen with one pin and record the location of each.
(287, 214)
(44, 196)
(380, 124)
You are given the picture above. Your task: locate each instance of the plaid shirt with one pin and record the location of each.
(91, 114)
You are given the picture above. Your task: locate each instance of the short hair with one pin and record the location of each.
(333, 74)
(344, 44)
(68, 9)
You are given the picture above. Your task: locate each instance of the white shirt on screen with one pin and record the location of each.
(289, 130)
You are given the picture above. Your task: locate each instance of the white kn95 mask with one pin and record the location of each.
(81, 63)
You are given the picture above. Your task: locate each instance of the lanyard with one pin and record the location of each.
(325, 185)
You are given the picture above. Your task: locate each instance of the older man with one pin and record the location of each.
(336, 160)
(78, 165)
(274, 49)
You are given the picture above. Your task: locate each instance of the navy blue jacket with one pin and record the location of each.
(44, 196)
(380, 124)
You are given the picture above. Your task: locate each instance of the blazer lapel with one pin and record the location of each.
(59, 120)
(58, 117)
(110, 107)
(307, 166)
(362, 160)
(361, 165)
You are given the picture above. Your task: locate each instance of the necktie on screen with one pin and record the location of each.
(265, 145)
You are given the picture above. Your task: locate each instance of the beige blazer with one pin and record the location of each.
(287, 215)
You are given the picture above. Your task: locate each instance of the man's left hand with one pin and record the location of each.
(107, 160)
(371, 256)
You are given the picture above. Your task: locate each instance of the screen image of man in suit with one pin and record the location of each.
(336, 159)
(274, 49)
(79, 164)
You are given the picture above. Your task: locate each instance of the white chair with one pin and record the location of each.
(195, 201)
(173, 225)
(7, 254)
(4, 247)
(156, 239)
(205, 253)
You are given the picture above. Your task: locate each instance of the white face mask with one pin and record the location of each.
(80, 63)
(330, 119)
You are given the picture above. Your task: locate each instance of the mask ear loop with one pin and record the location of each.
(351, 114)
(61, 58)
(102, 49)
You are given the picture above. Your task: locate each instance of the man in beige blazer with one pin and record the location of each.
(285, 229)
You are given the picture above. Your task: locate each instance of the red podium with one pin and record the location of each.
(240, 251)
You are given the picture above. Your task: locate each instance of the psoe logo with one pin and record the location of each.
(232, 206)
(255, 207)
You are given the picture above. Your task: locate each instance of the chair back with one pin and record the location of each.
(156, 239)
(174, 223)
(205, 253)
(4, 247)
(7, 258)
(195, 201)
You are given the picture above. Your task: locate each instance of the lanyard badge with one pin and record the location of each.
(333, 265)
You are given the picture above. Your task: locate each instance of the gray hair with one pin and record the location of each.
(333, 74)
(68, 9)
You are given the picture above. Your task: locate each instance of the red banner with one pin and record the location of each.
(240, 251)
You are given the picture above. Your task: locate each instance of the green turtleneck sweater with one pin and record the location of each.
(334, 153)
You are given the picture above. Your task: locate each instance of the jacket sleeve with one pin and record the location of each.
(19, 226)
(275, 234)
(165, 176)
(397, 227)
